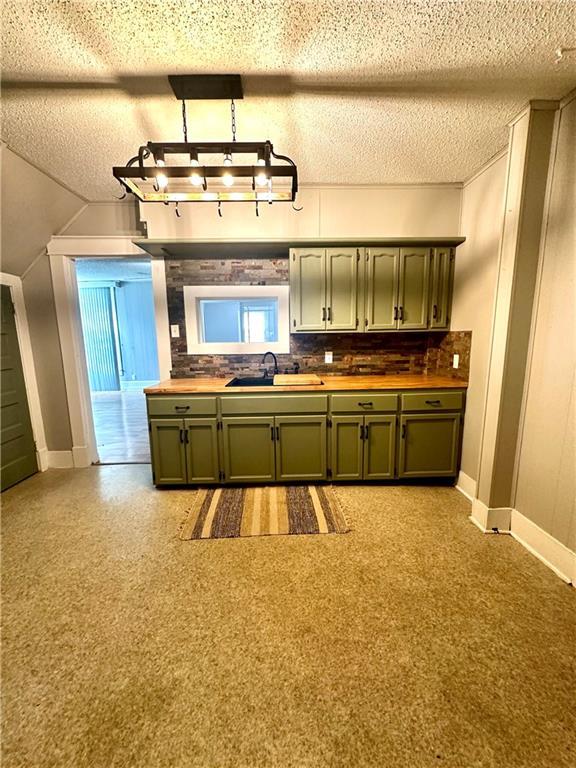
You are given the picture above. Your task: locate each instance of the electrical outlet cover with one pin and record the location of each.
(175, 331)
(328, 357)
(456, 361)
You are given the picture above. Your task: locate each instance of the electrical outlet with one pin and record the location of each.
(455, 361)
(175, 331)
(328, 357)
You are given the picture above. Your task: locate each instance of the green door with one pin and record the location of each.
(413, 288)
(342, 289)
(346, 447)
(300, 447)
(379, 447)
(17, 447)
(168, 451)
(429, 445)
(202, 450)
(441, 290)
(381, 289)
(248, 447)
(308, 290)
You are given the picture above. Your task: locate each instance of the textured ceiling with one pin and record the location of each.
(356, 92)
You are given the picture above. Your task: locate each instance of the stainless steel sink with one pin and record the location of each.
(251, 381)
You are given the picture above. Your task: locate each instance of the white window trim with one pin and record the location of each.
(194, 344)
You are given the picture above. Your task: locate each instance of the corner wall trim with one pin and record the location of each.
(60, 460)
(490, 518)
(536, 540)
(466, 485)
(545, 547)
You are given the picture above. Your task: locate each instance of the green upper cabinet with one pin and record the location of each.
(300, 447)
(308, 289)
(441, 287)
(248, 449)
(413, 288)
(342, 289)
(324, 289)
(381, 289)
(375, 289)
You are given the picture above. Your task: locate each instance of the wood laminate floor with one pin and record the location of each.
(121, 427)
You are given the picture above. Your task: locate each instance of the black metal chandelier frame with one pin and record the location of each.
(205, 182)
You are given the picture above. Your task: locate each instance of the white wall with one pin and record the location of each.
(329, 212)
(476, 273)
(546, 467)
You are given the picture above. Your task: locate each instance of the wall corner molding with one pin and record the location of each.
(466, 485)
(490, 519)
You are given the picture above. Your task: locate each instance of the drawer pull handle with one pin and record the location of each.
(272, 433)
(323, 314)
(435, 312)
(366, 405)
(395, 313)
(433, 402)
(329, 318)
(277, 433)
(181, 408)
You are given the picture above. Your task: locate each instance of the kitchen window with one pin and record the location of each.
(236, 319)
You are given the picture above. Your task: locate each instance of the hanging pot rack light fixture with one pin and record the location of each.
(215, 171)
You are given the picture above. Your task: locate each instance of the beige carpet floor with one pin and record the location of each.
(413, 641)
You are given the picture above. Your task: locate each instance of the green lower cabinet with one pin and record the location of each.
(347, 447)
(248, 444)
(379, 447)
(363, 447)
(300, 448)
(168, 451)
(201, 450)
(429, 444)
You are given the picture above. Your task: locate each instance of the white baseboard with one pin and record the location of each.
(490, 518)
(544, 546)
(81, 456)
(43, 459)
(466, 485)
(60, 459)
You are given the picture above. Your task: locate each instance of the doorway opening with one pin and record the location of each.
(118, 325)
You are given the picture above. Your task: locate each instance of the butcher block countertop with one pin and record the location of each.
(330, 384)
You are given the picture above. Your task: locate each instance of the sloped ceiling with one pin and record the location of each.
(356, 92)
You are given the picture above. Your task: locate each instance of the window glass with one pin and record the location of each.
(238, 320)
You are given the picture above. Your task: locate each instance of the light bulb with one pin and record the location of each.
(261, 179)
(161, 180)
(160, 162)
(227, 159)
(196, 179)
(227, 179)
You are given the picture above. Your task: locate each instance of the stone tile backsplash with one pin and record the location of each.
(370, 353)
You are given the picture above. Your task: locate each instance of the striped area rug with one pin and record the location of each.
(219, 513)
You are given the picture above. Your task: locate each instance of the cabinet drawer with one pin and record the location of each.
(181, 406)
(433, 401)
(364, 402)
(274, 404)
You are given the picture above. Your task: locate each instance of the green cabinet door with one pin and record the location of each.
(248, 449)
(346, 447)
(413, 288)
(168, 451)
(308, 290)
(300, 447)
(429, 444)
(202, 450)
(342, 289)
(441, 287)
(381, 289)
(379, 447)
